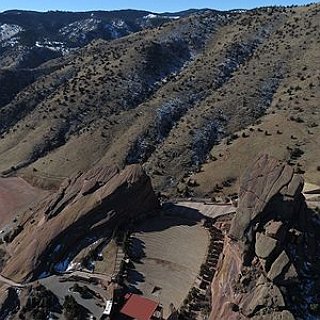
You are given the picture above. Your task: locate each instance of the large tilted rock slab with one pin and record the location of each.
(258, 260)
(78, 186)
(97, 200)
(267, 186)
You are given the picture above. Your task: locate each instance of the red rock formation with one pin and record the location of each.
(101, 198)
(262, 270)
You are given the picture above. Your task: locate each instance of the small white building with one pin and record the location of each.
(108, 308)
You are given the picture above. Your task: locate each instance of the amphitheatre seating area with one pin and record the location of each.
(168, 251)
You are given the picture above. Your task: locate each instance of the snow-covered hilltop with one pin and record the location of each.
(30, 38)
(7, 31)
(75, 29)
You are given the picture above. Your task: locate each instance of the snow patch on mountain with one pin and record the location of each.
(151, 16)
(80, 28)
(117, 28)
(238, 11)
(157, 16)
(54, 46)
(119, 24)
(8, 31)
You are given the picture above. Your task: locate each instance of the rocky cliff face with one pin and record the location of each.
(87, 207)
(270, 264)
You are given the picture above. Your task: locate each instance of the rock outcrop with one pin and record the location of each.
(86, 207)
(270, 263)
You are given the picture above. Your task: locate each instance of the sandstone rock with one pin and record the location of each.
(276, 230)
(279, 265)
(260, 298)
(271, 207)
(97, 200)
(290, 276)
(282, 271)
(81, 184)
(278, 315)
(295, 186)
(265, 245)
(228, 271)
(262, 193)
(4, 295)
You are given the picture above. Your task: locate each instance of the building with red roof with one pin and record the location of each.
(140, 308)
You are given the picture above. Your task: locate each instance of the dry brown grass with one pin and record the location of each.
(82, 111)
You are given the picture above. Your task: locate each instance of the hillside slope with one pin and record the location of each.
(165, 97)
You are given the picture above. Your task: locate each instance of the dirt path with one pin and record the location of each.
(80, 274)
(208, 209)
(11, 282)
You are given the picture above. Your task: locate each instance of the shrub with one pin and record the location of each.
(296, 153)
(41, 302)
(73, 310)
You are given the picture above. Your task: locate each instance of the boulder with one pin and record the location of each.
(276, 230)
(291, 276)
(277, 315)
(265, 246)
(278, 266)
(260, 298)
(295, 186)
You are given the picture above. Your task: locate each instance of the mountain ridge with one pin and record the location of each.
(172, 113)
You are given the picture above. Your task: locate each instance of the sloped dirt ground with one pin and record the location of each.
(15, 195)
